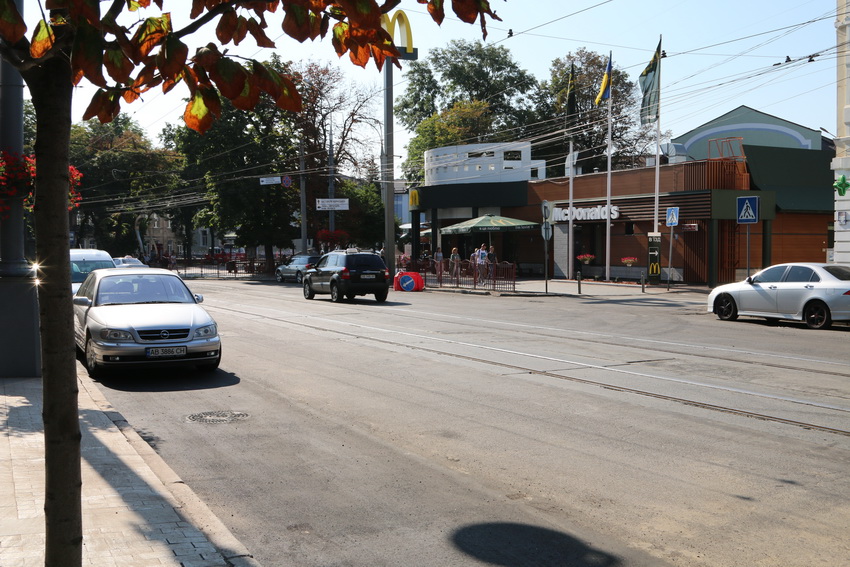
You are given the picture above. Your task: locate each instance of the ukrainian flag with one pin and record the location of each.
(605, 89)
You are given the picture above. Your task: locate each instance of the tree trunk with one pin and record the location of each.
(50, 86)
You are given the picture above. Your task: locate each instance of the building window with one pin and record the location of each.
(513, 155)
(534, 173)
(474, 155)
(204, 239)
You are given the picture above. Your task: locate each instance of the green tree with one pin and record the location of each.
(589, 126)
(75, 41)
(467, 71)
(460, 124)
(123, 176)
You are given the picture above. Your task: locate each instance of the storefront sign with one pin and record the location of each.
(585, 213)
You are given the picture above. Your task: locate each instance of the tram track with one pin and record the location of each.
(419, 348)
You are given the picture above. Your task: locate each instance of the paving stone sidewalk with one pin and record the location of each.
(136, 511)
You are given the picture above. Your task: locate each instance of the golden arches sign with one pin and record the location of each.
(399, 18)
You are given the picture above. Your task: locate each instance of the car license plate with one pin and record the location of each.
(368, 276)
(160, 352)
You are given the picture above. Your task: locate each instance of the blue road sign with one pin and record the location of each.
(672, 216)
(748, 210)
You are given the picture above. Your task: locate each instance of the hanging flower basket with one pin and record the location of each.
(585, 258)
(629, 260)
(17, 173)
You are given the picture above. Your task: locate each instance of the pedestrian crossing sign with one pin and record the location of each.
(672, 216)
(748, 210)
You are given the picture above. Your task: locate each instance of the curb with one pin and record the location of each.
(186, 502)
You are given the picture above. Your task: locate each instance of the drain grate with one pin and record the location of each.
(224, 416)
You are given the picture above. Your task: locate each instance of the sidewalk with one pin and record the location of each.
(136, 511)
(590, 288)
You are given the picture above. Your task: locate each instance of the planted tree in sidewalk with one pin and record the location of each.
(81, 39)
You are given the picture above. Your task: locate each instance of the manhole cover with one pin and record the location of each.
(225, 416)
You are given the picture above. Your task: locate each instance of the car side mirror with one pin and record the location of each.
(82, 300)
(199, 298)
(750, 280)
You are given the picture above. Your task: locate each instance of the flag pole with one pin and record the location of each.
(608, 196)
(571, 240)
(658, 141)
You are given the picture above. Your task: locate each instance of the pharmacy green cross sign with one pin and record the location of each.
(841, 185)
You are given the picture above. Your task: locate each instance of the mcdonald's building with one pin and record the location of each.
(702, 174)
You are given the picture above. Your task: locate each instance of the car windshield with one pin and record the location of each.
(81, 268)
(156, 288)
(839, 271)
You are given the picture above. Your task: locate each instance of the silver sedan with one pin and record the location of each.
(815, 293)
(144, 317)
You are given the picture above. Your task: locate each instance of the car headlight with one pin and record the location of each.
(115, 335)
(205, 332)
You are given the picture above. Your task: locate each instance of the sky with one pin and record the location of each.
(720, 54)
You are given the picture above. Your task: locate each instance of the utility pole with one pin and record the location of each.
(20, 346)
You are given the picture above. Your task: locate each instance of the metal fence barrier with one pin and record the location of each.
(467, 275)
(232, 269)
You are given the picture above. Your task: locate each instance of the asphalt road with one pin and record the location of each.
(444, 429)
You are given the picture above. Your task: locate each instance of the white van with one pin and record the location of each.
(83, 261)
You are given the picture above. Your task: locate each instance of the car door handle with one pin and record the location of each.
(771, 287)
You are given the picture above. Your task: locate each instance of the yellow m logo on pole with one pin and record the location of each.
(389, 24)
(414, 198)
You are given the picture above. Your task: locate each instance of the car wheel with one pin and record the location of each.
(308, 291)
(278, 276)
(725, 308)
(336, 293)
(381, 296)
(95, 371)
(299, 277)
(817, 316)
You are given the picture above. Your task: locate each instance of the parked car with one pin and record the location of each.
(84, 260)
(348, 273)
(815, 293)
(294, 268)
(128, 262)
(144, 317)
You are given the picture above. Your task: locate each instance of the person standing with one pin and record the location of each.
(482, 261)
(455, 261)
(492, 261)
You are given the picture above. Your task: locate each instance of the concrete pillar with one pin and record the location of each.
(841, 163)
(20, 348)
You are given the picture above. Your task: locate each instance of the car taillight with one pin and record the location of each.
(846, 292)
(386, 273)
(345, 274)
(308, 266)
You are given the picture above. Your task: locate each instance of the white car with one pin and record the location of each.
(129, 262)
(142, 317)
(815, 293)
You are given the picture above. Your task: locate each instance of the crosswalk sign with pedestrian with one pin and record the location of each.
(748, 210)
(672, 216)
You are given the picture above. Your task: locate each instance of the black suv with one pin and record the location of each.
(348, 273)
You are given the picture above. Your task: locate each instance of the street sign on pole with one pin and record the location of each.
(547, 210)
(654, 257)
(546, 230)
(672, 216)
(331, 204)
(748, 210)
(270, 180)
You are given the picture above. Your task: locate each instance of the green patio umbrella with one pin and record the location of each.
(489, 223)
